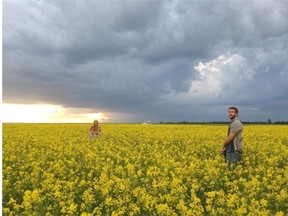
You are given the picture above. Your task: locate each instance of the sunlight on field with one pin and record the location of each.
(55, 169)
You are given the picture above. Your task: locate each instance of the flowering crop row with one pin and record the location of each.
(55, 169)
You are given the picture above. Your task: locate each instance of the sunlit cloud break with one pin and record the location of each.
(36, 113)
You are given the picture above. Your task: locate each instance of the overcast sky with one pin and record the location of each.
(137, 60)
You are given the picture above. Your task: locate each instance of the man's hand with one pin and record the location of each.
(223, 151)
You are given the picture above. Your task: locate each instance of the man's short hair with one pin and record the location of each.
(233, 108)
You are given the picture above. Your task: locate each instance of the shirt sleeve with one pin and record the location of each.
(236, 127)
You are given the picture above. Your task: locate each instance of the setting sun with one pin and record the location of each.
(36, 113)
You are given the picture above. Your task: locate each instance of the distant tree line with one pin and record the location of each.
(224, 122)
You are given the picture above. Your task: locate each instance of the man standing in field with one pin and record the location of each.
(232, 147)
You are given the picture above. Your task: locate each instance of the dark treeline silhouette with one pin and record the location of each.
(225, 122)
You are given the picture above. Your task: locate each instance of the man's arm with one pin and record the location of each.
(229, 139)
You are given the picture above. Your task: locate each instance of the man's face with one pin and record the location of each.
(232, 114)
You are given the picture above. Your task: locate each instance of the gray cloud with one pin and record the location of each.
(159, 60)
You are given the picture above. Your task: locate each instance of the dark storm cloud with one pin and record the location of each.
(166, 60)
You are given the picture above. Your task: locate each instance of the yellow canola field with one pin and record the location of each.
(133, 169)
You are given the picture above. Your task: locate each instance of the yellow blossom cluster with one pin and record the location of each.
(135, 169)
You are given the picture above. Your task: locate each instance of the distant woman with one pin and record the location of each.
(95, 130)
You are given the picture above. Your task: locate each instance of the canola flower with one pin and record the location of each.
(55, 169)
